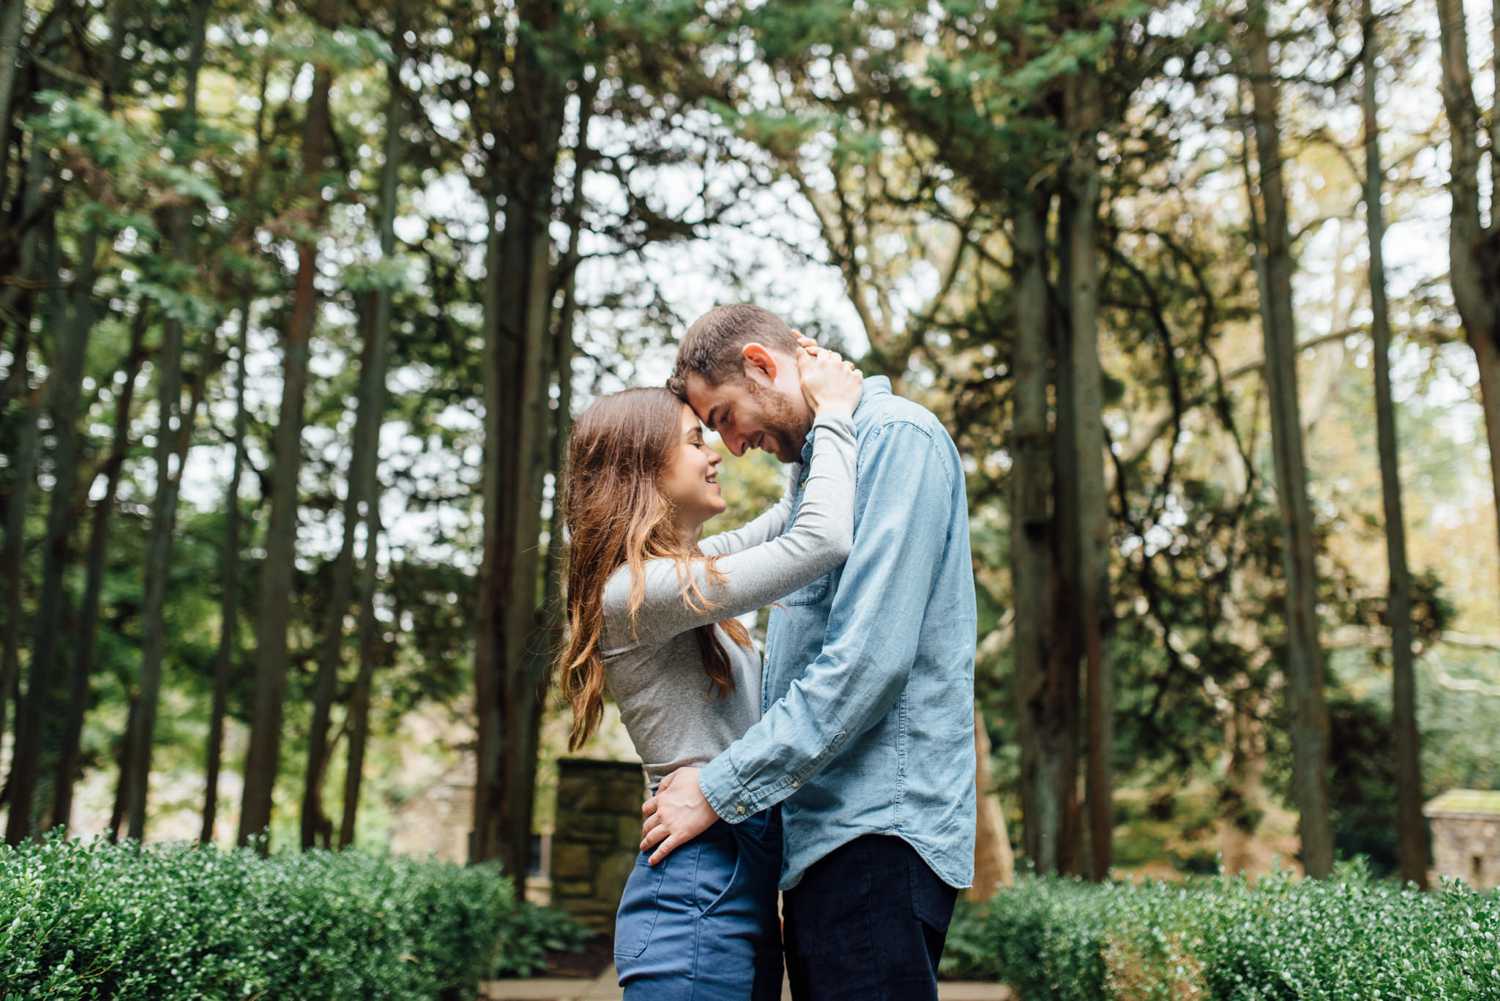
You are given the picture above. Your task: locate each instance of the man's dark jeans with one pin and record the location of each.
(867, 923)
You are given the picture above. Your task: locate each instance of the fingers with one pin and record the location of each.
(649, 807)
(810, 346)
(651, 824)
(655, 838)
(667, 848)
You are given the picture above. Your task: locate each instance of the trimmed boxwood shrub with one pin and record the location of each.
(1348, 938)
(171, 922)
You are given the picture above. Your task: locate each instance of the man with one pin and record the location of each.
(869, 745)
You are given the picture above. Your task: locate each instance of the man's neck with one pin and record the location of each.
(811, 416)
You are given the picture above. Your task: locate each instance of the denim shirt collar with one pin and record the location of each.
(871, 387)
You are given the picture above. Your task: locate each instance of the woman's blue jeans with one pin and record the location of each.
(702, 924)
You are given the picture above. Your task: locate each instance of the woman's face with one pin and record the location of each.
(690, 480)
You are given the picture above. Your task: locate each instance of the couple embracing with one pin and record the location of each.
(841, 770)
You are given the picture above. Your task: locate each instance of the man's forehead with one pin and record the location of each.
(703, 397)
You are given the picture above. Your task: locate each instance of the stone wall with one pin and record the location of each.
(597, 837)
(1467, 847)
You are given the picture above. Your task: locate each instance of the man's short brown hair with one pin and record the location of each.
(711, 347)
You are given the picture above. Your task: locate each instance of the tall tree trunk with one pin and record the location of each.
(363, 464)
(17, 297)
(1473, 248)
(122, 780)
(1411, 826)
(21, 299)
(13, 552)
(518, 313)
(1309, 711)
(229, 600)
(172, 443)
(41, 719)
(229, 607)
(330, 654)
(38, 169)
(553, 620)
(373, 399)
(1242, 797)
(1066, 651)
(1494, 116)
(370, 655)
(489, 653)
(83, 656)
(994, 865)
(1043, 714)
(547, 631)
(11, 22)
(18, 377)
(263, 757)
(1087, 424)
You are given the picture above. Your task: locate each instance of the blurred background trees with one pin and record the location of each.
(298, 300)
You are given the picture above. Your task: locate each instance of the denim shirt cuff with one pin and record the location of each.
(720, 785)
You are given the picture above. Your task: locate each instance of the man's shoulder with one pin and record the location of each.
(888, 410)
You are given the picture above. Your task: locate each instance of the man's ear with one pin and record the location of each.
(758, 358)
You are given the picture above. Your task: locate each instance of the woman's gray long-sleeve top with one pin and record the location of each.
(656, 676)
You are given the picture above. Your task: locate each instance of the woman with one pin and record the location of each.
(652, 622)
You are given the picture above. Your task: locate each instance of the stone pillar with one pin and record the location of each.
(597, 837)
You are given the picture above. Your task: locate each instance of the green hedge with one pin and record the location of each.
(1349, 938)
(87, 919)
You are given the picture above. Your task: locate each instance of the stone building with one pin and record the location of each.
(1466, 836)
(597, 837)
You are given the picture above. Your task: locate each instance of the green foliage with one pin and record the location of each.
(1345, 939)
(87, 919)
(121, 160)
(1362, 792)
(342, 49)
(83, 124)
(529, 932)
(395, 274)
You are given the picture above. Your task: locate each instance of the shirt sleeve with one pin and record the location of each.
(762, 528)
(902, 517)
(818, 540)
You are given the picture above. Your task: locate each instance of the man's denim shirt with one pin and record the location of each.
(871, 667)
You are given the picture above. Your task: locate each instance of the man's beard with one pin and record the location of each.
(781, 422)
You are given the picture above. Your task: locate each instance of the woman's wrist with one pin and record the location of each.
(834, 409)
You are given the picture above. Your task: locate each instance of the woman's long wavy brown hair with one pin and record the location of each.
(616, 514)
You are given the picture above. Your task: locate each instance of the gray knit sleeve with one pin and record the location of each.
(763, 527)
(818, 540)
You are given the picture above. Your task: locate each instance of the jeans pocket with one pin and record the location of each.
(756, 824)
(932, 900)
(723, 872)
(636, 917)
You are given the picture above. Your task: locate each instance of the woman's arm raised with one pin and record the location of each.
(817, 541)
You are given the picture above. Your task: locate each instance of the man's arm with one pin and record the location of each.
(902, 521)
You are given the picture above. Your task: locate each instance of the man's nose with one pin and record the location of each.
(733, 441)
